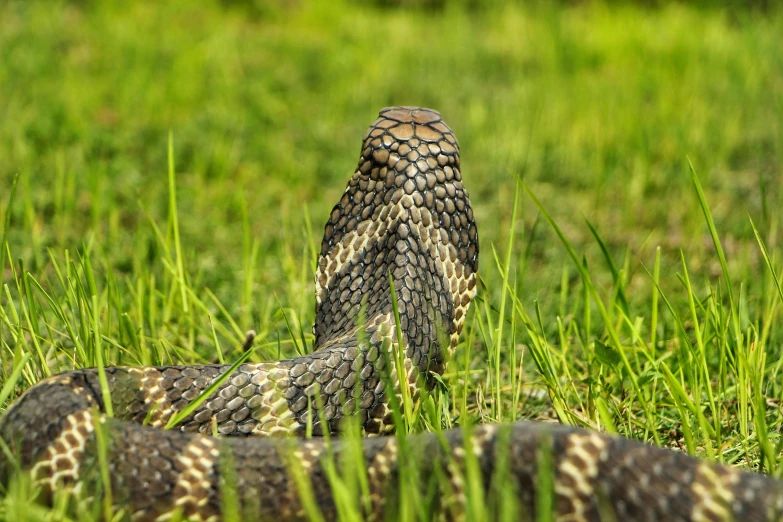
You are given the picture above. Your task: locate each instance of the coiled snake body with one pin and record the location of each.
(405, 219)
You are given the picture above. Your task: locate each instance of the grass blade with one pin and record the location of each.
(192, 406)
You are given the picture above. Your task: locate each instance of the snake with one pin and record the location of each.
(394, 281)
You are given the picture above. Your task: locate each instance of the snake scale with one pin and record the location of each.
(404, 219)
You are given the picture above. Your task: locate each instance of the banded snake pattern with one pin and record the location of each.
(404, 219)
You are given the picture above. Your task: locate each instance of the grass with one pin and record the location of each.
(169, 167)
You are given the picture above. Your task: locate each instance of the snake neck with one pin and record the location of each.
(405, 218)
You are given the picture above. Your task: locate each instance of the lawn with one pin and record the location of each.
(167, 169)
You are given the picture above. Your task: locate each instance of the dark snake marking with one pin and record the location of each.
(405, 219)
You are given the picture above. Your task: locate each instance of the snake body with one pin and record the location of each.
(395, 276)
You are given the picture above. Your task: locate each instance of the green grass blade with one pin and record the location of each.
(174, 224)
(7, 223)
(719, 249)
(10, 384)
(203, 396)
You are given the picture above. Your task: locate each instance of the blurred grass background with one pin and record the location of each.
(597, 106)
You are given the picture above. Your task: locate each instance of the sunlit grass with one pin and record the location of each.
(156, 159)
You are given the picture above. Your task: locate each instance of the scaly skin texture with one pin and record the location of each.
(405, 219)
